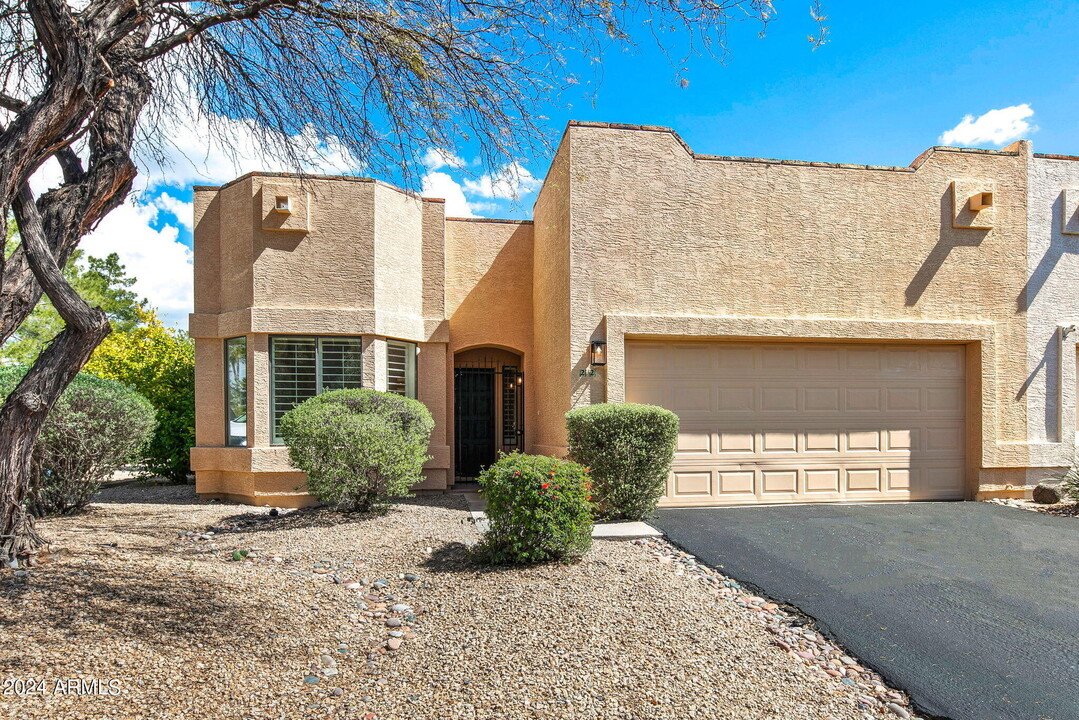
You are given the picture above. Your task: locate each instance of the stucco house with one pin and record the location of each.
(825, 332)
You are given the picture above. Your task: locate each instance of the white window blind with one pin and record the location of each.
(302, 367)
(401, 368)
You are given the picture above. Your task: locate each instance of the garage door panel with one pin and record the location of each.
(737, 482)
(804, 422)
(779, 481)
(693, 484)
(694, 443)
(737, 442)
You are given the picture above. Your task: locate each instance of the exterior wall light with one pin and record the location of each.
(599, 353)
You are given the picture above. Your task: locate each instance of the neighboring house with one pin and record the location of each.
(825, 332)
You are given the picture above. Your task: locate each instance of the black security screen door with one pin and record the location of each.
(474, 419)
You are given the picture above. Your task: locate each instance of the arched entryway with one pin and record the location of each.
(488, 408)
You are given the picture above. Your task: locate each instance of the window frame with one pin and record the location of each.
(411, 362)
(275, 438)
(228, 394)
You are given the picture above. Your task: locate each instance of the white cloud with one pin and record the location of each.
(184, 211)
(159, 262)
(441, 185)
(47, 177)
(510, 183)
(996, 127)
(198, 151)
(436, 158)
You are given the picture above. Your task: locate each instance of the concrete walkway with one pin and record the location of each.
(604, 531)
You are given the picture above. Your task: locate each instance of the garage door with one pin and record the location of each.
(806, 422)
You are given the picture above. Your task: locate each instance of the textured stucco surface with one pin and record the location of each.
(488, 302)
(1049, 300)
(551, 307)
(635, 236)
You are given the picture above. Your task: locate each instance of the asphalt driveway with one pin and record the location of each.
(972, 608)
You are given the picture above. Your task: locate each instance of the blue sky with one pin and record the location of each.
(889, 83)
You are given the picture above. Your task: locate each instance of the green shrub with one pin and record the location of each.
(628, 448)
(95, 428)
(539, 509)
(158, 362)
(359, 448)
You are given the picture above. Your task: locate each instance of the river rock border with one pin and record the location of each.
(793, 634)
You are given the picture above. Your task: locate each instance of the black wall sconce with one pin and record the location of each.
(599, 353)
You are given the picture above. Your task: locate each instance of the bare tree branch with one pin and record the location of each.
(378, 81)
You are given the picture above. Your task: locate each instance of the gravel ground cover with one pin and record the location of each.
(1064, 509)
(157, 605)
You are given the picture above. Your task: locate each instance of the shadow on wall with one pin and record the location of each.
(949, 239)
(1059, 245)
(1050, 365)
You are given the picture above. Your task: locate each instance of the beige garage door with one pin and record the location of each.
(806, 422)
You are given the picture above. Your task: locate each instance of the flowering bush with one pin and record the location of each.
(629, 449)
(539, 508)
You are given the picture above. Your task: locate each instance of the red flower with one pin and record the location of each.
(545, 486)
(588, 498)
(517, 473)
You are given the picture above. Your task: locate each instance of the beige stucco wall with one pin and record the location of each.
(353, 257)
(634, 235)
(810, 250)
(551, 307)
(488, 299)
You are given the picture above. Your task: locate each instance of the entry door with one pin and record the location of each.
(474, 419)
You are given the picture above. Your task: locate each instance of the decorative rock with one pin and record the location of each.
(393, 622)
(409, 577)
(311, 680)
(898, 711)
(400, 608)
(338, 692)
(327, 661)
(396, 633)
(1046, 493)
(353, 586)
(330, 672)
(394, 643)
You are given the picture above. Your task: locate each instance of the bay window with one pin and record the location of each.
(302, 367)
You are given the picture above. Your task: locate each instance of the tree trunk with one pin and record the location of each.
(24, 412)
(50, 228)
(21, 421)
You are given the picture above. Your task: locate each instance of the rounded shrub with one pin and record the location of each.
(629, 449)
(359, 448)
(539, 509)
(95, 428)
